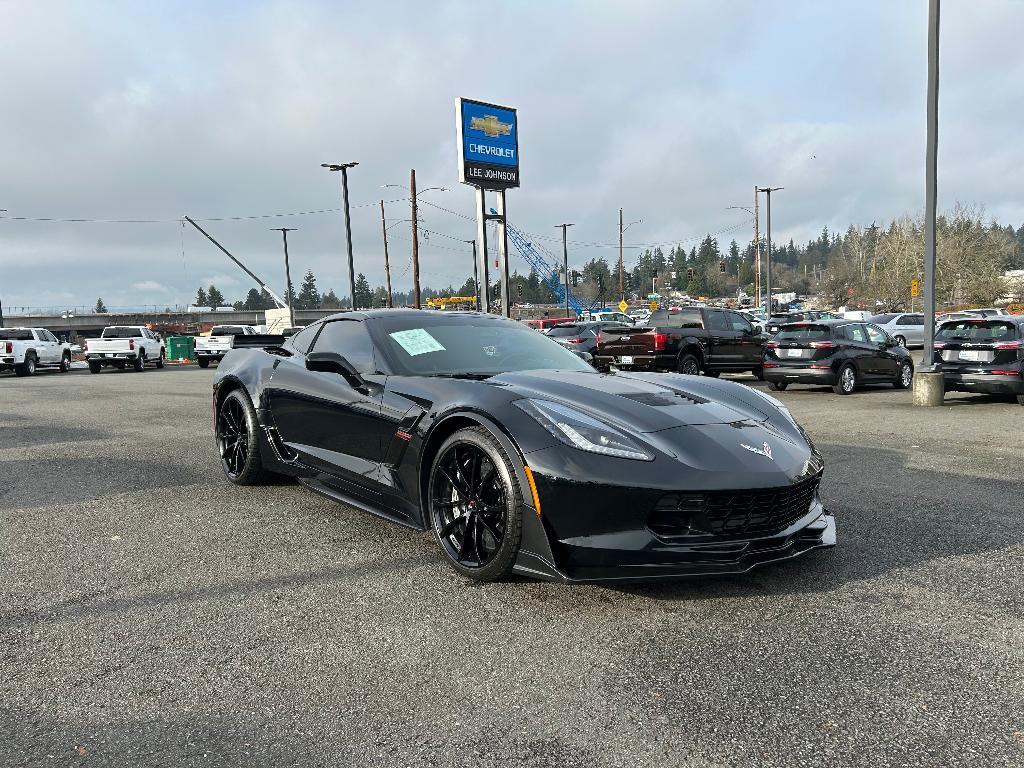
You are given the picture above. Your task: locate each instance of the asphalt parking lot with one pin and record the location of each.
(152, 614)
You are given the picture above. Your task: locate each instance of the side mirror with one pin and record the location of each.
(332, 362)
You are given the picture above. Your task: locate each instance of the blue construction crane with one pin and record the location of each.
(547, 273)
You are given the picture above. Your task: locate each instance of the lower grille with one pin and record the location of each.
(732, 514)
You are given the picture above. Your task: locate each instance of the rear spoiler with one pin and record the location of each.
(257, 340)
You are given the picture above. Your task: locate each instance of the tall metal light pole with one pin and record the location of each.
(476, 278)
(622, 268)
(343, 167)
(565, 263)
(288, 292)
(768, 280)
(931, 184)
(753, 214)
(2, 210)
(387, 263)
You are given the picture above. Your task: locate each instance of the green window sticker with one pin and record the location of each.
(416, 341)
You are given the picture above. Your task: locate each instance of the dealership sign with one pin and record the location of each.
(488, 145)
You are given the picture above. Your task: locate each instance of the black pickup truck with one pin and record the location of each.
(689, 340)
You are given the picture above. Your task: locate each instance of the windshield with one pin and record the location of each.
(121, 333)
(227, 330)
(15, 334)
(977, 330)
(882, 319)
(804, 333)
(422, 344)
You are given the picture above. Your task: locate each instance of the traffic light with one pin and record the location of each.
(519, 290)
(721, 266)
(689, 274)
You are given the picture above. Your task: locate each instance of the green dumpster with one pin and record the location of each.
(181, 347)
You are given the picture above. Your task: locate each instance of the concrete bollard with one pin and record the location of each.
(929, 388)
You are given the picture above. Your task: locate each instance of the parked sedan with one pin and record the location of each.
(582, 337)
(905, 327)
(839, 353)
(983, 354)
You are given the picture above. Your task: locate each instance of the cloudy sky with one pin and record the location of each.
(673, 110)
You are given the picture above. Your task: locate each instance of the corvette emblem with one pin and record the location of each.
(765, 450)
(491, 126)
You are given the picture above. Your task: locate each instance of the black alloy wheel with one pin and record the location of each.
(689, 365)
(474, 505)
(237, 442)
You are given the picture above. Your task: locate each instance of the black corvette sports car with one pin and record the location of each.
(517, 455)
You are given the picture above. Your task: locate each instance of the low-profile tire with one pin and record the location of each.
(900, 340)
(94, 367)
(160, 360)
(204, 362)
(905, 377)
(28, 368)
(846, 381)
(139, 363)
(778, 386)
(474, 505)
(237, 434)
(689, 365)
(65, 362)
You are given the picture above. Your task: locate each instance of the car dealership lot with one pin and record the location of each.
(153, 614)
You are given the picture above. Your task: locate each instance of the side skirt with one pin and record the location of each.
(353, 501)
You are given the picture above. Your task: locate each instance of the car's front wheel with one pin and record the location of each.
(237, 440)
(474, 505)
(900, 340)
(65, 362)
(906, 376)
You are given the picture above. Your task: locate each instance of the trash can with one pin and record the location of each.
(181, 348)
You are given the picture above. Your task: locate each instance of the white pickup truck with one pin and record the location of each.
(124, 345)
(217, 344)
(26, 349)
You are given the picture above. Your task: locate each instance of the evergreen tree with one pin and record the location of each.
(215, 297)
(202, 300)
(363, 295)
(309, 296)
(253, 301)
(330, 301)
(101, 308)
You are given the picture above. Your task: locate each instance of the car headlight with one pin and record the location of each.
(582, 431)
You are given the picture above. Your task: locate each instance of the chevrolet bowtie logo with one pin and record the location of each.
(491, 126)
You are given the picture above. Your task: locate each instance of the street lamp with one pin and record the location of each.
(768, 284)
(565, 262)
(757, 246)
(622, 230)
(2, 210)
(343, 167)
(287, 274)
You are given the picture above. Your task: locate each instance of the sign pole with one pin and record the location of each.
(481, 256)
(931, 184)
(506, 299)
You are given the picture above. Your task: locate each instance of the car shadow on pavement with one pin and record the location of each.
(889, 516)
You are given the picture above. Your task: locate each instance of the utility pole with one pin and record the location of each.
(768, 282)
(757, 247)
(415, 242)
(343, 167)
(476, 279)
(287, 274)
(387, 263)
(565, 263)
(2, 210)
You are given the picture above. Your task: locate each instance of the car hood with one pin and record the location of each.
(642, 402)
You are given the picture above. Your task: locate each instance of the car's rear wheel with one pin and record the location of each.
(28, 368)
(139, 363)
(777, 386)
(906, 376)
(237, 440)
(901, 340)
(689, 365)
(1020, 399)
(94, 367)
(204, 362)
(758, 373)
(475, 504)
(846, 381)
(160, 360)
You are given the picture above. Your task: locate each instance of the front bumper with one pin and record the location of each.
(988, 383)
